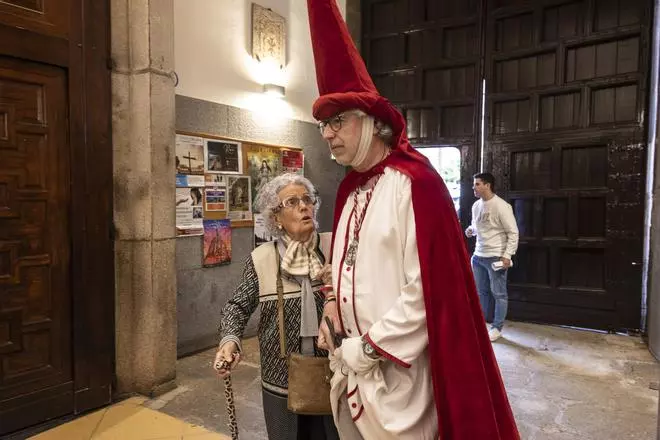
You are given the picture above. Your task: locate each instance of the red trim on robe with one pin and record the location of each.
(355, 316)
(385, 354)
(341, 267)
(359, 414)
(349, 395)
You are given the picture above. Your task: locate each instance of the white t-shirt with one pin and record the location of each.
(495, 227)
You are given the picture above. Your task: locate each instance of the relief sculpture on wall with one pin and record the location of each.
(268, 36)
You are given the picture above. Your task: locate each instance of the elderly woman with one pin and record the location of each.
(289, 206)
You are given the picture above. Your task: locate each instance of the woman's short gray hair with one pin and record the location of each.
(382, 130)
(268, 199)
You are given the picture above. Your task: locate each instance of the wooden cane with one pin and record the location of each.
(229, 398)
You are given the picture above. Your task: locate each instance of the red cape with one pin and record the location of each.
(470, 398)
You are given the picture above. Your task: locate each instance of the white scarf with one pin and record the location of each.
(301, 260)
(365, 141)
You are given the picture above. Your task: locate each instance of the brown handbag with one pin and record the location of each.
(309, 376)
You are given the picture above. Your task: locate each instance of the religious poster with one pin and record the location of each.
(217, 242)
(189, 211)
(223, 157)
(292, 162)
(189, 154)
(185, 180)
(261, 235)
(239, 198)
(263, 166)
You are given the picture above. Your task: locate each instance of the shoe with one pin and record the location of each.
(494, 334)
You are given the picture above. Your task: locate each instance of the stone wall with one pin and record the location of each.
(202, 292)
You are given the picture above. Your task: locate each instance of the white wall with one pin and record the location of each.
(212, 40)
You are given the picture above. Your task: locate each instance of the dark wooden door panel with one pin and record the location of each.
(50, 17)
(565, 98)
(425, 56)
(35, 291)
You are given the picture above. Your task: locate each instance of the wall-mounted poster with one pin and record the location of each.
(185, 180)
(261, 235)
(189, 211)
(238, 192)
(189, 154)
(215, 195)
(223, 157)
(217, 242)
(215, 180)
(293, 162)
(263, 166)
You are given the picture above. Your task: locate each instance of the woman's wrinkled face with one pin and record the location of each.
(296, 212)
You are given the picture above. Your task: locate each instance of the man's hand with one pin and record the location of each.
(506, 262)
(469, 232)
(227, 352)
(325, 342)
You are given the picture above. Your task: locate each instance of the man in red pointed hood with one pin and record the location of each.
(416, 361)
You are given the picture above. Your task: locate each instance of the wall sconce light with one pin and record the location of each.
(274, 90)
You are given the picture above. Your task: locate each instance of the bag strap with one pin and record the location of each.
(280, 302)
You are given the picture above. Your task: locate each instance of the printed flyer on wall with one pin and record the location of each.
(293, 162)
(263, 166)
(189, 154)
(189, 211)
(223, 157)
(217, 242)
(261, 235)
(238, 192)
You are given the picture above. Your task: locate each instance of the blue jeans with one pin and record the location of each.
(491, 286)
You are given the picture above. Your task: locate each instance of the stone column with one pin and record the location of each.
(144, 210)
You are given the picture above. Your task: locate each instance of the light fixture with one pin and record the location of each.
(274, 90)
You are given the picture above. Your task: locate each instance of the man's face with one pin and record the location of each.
(480, 188)
(342, 132)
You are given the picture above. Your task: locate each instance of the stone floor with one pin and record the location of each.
(562, 383)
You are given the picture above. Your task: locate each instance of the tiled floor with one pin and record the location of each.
(128, 420)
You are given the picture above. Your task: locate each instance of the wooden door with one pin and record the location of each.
(35, 254)
(54, 317)
(424, 55)
(565, 132)
(566, 99)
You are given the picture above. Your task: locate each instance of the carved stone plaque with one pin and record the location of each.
(268, 35)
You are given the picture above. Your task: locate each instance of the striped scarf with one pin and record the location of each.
(300, 258)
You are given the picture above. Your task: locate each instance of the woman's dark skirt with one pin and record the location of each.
(282, 424)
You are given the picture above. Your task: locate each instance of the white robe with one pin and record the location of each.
(382, 295)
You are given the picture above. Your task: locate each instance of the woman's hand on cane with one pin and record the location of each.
(226, 359)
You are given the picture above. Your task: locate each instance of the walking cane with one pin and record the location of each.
(229, 398)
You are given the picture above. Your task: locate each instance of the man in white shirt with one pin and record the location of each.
(496, 230)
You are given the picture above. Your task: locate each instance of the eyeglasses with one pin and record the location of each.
(336, 121)
(294, 201)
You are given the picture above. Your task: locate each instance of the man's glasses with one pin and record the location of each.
(294, 201)
(334, 123)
